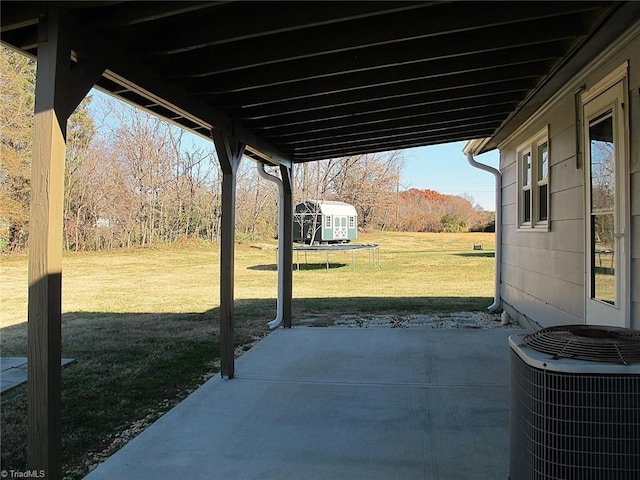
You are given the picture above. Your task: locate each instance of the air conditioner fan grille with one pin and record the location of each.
(587, 342)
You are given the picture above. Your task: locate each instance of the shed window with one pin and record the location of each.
(533, 183)
(327, 221)
(352, 222)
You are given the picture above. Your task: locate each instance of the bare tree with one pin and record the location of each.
(369, 182)
(256, 204)
(161, 189)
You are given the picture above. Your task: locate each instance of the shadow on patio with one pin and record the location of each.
(337, 403)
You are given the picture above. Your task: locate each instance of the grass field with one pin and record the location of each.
(142, 324)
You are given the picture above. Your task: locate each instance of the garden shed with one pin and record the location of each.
(325, 221)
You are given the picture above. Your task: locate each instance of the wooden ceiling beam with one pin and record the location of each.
(420, 82)
(504, 78)
(484, 123)
(378, 147)
(357, 130)
(434, 37)
(128, 14)
(18, 15)
(265, 18)
(394, 127)
(364, 123)
(303, 79)
(399, 112)
(529, 58)
(392, 106)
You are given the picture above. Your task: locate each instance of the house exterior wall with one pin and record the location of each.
(543, 272)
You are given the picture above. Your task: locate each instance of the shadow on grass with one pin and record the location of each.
(299, 266)
(89, 333)
(132, 367)
(476, 254)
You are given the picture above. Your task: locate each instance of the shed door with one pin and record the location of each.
(606, 238)
(340, 227)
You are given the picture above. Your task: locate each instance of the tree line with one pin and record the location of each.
(133, 180)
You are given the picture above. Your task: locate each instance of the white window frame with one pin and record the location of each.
(352, 221)
(529, 213)
(327, 221)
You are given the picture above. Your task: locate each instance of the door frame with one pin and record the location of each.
(611, 93)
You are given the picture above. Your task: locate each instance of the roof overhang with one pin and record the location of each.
(304, 81)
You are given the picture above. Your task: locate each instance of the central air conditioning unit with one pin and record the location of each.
(575, 404)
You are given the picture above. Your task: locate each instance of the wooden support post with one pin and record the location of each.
(44, 449)
(59, 89)
(230, 153)
(287, 182)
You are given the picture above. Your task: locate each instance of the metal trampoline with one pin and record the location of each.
(372, 248)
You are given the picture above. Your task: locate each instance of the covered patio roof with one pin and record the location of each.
(304, 81)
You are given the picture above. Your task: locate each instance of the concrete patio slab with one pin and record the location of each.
(339, 403)
(13, 371)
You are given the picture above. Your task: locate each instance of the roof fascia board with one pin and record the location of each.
(475, 146)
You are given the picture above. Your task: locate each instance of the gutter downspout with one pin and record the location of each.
(469, 148)
(275, 323)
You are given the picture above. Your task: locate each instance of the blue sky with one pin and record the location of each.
(444, 168)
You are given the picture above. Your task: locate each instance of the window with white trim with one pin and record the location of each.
(352, 222)
(327, 221)
(533, 183)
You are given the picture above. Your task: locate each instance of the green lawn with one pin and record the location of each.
(142, 324)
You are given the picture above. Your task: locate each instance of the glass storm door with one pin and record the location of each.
(605, 155)
(339, 227)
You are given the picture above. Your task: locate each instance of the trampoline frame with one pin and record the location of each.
(374, 252)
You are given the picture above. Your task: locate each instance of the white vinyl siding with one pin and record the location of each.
(542, 275)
